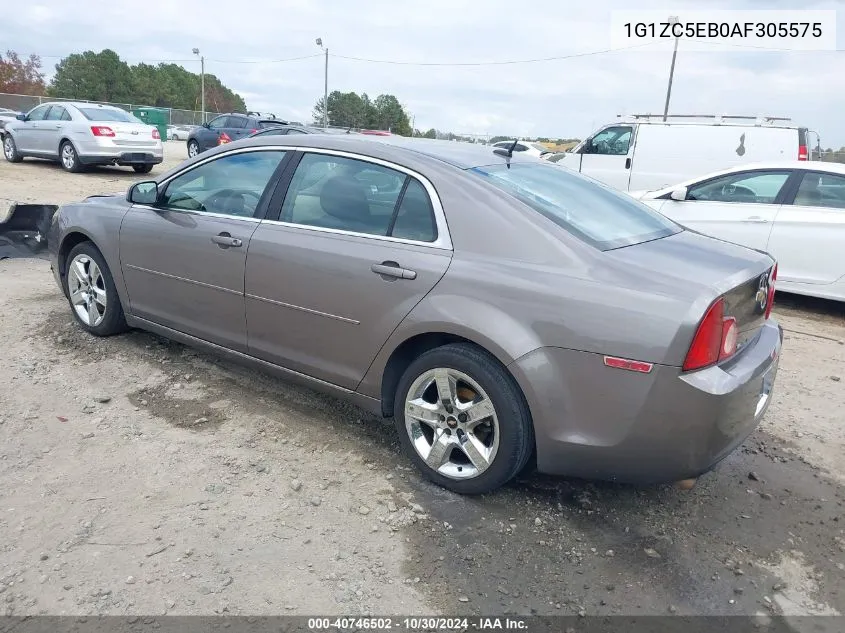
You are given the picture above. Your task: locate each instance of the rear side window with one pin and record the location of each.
(598, 215)
(236, 122)
(415, 219)
(360, 197)
(821, 190)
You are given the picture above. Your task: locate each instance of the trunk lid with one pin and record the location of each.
(134, 134)
(700, 268)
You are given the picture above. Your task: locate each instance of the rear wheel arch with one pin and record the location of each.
(62, 141)
(412, 348)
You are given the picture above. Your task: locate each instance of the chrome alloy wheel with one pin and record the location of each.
(452, 423)
(9, 148)
(193, 150)
(68, 156)
(87, 290)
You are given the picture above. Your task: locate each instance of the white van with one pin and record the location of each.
(644, 152)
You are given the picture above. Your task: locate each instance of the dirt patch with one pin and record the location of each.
(286, 501)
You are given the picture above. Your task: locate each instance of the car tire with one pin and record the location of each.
(503, 445)
(69, 159)
(193, 149)
(91, 293)
(10, 149)
(142, 169)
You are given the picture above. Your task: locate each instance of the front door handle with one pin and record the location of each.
(393, 270)
(756, 219)
(225, 240)
(627, 163)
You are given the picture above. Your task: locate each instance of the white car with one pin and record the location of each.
(528, 148)
(793, 210)
(81, 134)
(179, 132)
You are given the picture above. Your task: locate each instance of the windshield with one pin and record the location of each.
(600, 216)
(107, 114)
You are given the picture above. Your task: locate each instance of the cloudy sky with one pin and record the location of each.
(561, 98)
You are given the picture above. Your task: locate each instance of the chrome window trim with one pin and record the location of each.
(444, 238)
(202, 214)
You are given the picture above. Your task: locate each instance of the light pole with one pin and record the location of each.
(202, 82)
(673, 19)
(325, 85)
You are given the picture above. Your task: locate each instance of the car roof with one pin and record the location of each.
(458, 154)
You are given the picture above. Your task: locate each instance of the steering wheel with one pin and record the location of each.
(232, 202)
(738, 191)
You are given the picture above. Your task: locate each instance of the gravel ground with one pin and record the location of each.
(143, 477)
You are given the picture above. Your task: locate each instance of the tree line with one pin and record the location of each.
(103, 76)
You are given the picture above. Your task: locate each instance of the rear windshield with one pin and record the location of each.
(103, 114)
(600, 216)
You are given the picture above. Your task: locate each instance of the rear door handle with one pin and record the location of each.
(756, 219)
(225, 240)
(394, 270)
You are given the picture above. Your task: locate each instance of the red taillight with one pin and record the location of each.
(102, 130)
(715, 340)
(156, 135)
(224, 138)
(802, 153)
(770, 298)
(253, 131)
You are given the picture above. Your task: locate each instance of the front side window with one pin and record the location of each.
(230, 185)
(613, 141)
(357, 196)
(38, 114)
(218, 123)
(599, 215)
(821, 190)
(759, 187)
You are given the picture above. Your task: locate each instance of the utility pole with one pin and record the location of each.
(202, 83)
(325, 86)
(672, 20)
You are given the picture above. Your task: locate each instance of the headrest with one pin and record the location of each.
(344, 198)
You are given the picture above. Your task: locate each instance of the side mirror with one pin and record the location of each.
(143, 193)
(21, 117)
(679, 194)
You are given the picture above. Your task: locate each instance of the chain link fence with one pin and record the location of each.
(24, 103)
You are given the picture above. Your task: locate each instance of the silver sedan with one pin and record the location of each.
(79, 135)
(502, 310)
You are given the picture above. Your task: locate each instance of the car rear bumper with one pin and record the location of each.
(597, 422)
(96, 151)
(123, 158)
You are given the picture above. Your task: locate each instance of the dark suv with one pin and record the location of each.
(226, 128)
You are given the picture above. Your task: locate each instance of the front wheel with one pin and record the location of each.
(142, 169)
(10, 150)
(463, 420)
(91, 292)
(193, 149)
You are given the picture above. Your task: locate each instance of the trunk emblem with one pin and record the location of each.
(134, 132)
(762, 296)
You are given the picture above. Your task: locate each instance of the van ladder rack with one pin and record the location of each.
(718, 118)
